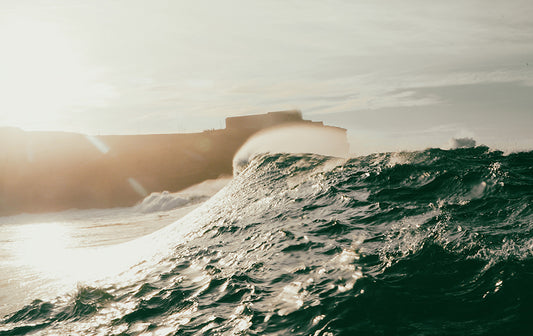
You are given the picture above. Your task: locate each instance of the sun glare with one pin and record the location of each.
(43, 245)
(51, 250)
(43, 75)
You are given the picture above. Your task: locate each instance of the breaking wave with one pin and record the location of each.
(434, 242)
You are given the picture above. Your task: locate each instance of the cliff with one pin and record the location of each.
(52, 171)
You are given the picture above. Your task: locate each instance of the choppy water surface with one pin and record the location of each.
(418, 243)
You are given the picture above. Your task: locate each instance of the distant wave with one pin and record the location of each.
(164, 201)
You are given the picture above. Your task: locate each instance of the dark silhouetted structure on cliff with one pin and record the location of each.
(51, 171)
(261, 121)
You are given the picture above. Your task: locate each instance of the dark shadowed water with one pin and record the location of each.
(434, 242)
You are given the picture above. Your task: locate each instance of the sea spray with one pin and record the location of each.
(293, 138)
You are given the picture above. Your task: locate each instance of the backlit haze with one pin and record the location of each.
(396, 74)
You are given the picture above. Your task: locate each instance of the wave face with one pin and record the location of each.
(417, 243)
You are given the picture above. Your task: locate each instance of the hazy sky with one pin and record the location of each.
(407, 73)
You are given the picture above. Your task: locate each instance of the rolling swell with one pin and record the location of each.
(417, 243)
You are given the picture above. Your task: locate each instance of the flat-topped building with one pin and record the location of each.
(260, 121)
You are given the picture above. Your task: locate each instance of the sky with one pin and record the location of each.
(397, 74)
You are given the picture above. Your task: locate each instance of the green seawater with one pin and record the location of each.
(434, 242)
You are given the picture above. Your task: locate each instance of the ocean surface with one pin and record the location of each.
(433, 242)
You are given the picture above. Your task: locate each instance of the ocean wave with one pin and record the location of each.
(164, 201)
(411, 243)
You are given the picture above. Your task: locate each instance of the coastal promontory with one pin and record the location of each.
(54, 171)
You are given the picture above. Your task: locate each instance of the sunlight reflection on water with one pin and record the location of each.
(42, 259)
